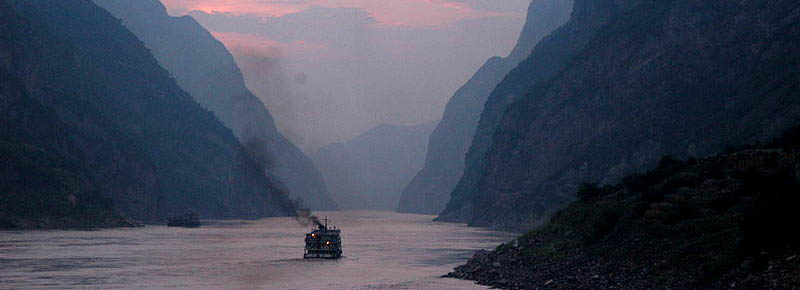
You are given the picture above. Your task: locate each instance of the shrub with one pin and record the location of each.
(589, 191)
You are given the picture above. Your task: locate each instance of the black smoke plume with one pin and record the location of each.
(256, 148)
(305, 217)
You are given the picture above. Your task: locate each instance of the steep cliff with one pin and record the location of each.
(723, 222)
(151, 148)
(44, 179)
(370, 171)
(621, 84)
(549, 57)
(205, 69)
(430, 189)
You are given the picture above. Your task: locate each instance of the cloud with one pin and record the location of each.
(407, 13)
(253, 44)
(265, 8)
(312, 34)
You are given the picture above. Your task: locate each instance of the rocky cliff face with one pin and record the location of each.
(621, 84)
(205, 69)
(149, 146)
(549, 57)
(45, 181)
(430, 189)
(715, 223)
(370, 171)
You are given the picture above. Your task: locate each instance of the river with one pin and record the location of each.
(382, 250)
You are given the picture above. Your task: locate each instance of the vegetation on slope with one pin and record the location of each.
(719, 222)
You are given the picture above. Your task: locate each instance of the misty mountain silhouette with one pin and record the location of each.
(205, 69)
(430, 189)
(370, 171)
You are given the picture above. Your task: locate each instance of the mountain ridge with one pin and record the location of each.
(206, 69)
(430, 189)
(153, 151)
(45, 181)
(667, 78)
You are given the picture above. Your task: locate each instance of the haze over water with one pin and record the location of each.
(383, 250)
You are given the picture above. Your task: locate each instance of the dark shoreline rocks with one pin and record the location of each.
(496, 271)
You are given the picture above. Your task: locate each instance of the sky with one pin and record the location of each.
(329, 70)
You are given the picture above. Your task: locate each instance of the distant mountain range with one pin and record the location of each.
(370, 171)
(94, 130)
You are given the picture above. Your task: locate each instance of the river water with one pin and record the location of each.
(383, 250)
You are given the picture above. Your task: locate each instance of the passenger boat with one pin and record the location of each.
(323, 243)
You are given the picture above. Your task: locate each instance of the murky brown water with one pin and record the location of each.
(383, 250)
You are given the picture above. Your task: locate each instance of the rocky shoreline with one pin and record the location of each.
(507, 270)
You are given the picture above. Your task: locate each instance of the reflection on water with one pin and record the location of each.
(383, 250)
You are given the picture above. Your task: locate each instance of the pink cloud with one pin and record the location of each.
(266, 8)
(406, 13)
(249, 44)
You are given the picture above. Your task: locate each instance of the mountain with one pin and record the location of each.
(150, 148)
(44, 179)
(430, 189)
(618, 86)
(370, 171)
(549, 57)
(203, 67)
(722, 222)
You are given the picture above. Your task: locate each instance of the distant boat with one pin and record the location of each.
(188, 220)
(323, 243)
